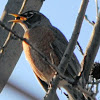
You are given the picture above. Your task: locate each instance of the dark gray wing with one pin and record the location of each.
(59, 46)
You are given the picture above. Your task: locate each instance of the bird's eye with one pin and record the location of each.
(17, 17)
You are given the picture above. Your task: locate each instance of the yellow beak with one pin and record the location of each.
(15, 15)
(17, 18)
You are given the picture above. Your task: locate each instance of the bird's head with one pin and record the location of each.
(30, 19)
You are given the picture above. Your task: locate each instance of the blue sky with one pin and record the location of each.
(62, 14)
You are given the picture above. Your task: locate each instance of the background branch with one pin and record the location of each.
(12, 26)
(9, 58)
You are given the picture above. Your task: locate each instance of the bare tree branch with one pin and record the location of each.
(10, 56)
(67, 55)
(12, 26)
(97, 82)
(91, 50)
(80, 48)
(25, 93)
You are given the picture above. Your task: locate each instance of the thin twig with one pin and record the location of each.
(7, 39)
(86, 18)
(22, 7)
(90, 53)
(80, 48)
(97, 85)
(97, 82)
(92, 85)
(12, 26)
(87, 93)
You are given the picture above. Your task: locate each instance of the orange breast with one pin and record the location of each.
(41, 38)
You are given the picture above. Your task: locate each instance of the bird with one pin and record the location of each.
(47, 39)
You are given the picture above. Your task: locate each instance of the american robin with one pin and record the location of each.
(49, 40)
